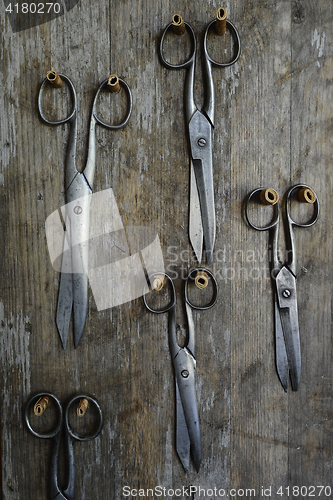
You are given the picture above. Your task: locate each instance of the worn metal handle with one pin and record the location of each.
(276, 213)
(71, 432)
(208, 62)
(189, 65)
(31, 402)
(172, 302)
(272, 227)
(124, 122)
(290, 223)
(192, 276)
(316, 207)
(237, 41)
(72, 114)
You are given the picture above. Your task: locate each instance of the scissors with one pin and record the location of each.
(184, 362)
(287, 339)
(73, 291)
(200, 126)
(62, 426)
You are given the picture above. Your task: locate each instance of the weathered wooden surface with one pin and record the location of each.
(273, 128)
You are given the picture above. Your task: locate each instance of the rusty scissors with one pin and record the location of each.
(39, 403)
(287, 339)
(184, 361)
(73, 291)
(200, 126)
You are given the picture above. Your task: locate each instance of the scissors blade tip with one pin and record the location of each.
(63, 334)
(197, 462)
(196, 242)
(77, 338)
(185, 460)
(64, 342)
(295, 383)
(209, 255)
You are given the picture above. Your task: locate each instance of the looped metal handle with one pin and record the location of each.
(189, 61)
(276, 213)
(74, 97)
(316, 207)
(124, 122)
(191, 276)
(56, 431)
(71, 432)
(236, 38)
(173, 295)
(31, 402)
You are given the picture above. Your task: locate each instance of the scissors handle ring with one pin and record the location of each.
(189, 61)
(314, 218)
(173, 295)
(236, 37)
(215, 289)
(73, 93)
(33, 400)
(124, 122)
(72, 433)
(276, 214)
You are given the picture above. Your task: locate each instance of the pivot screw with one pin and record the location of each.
(78, 210)
(202, 142)
(286, 293)
(185, 373)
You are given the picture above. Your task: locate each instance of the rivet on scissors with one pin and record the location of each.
(269, 196)
(54, 79)
(82, 408)
(307, 195)
(78, 210)
(201, 280)
(286, 293)
(158, 283)
(178, 25)
(113, 84)
(202, 142)
(185, 373)
(221, 21)
(41, 405)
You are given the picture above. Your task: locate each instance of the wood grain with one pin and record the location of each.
(273, 128)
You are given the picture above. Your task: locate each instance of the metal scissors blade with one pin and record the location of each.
(73, 291)
(287, 302)
(184, 365)
(280, 349)
(200, 133)
(183, 444)
(195, 223)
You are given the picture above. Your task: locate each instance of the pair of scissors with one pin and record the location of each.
(39, 402)
(287, 339)
(200, 126)
(184, 361)
(73, 291)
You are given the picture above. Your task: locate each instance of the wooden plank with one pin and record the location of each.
(272, 129)
(260, 157)
(310, 448)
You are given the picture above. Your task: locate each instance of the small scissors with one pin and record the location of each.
(184, 363)
(200, 126)
(70, 435)
(287, 340)
(73, 291)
